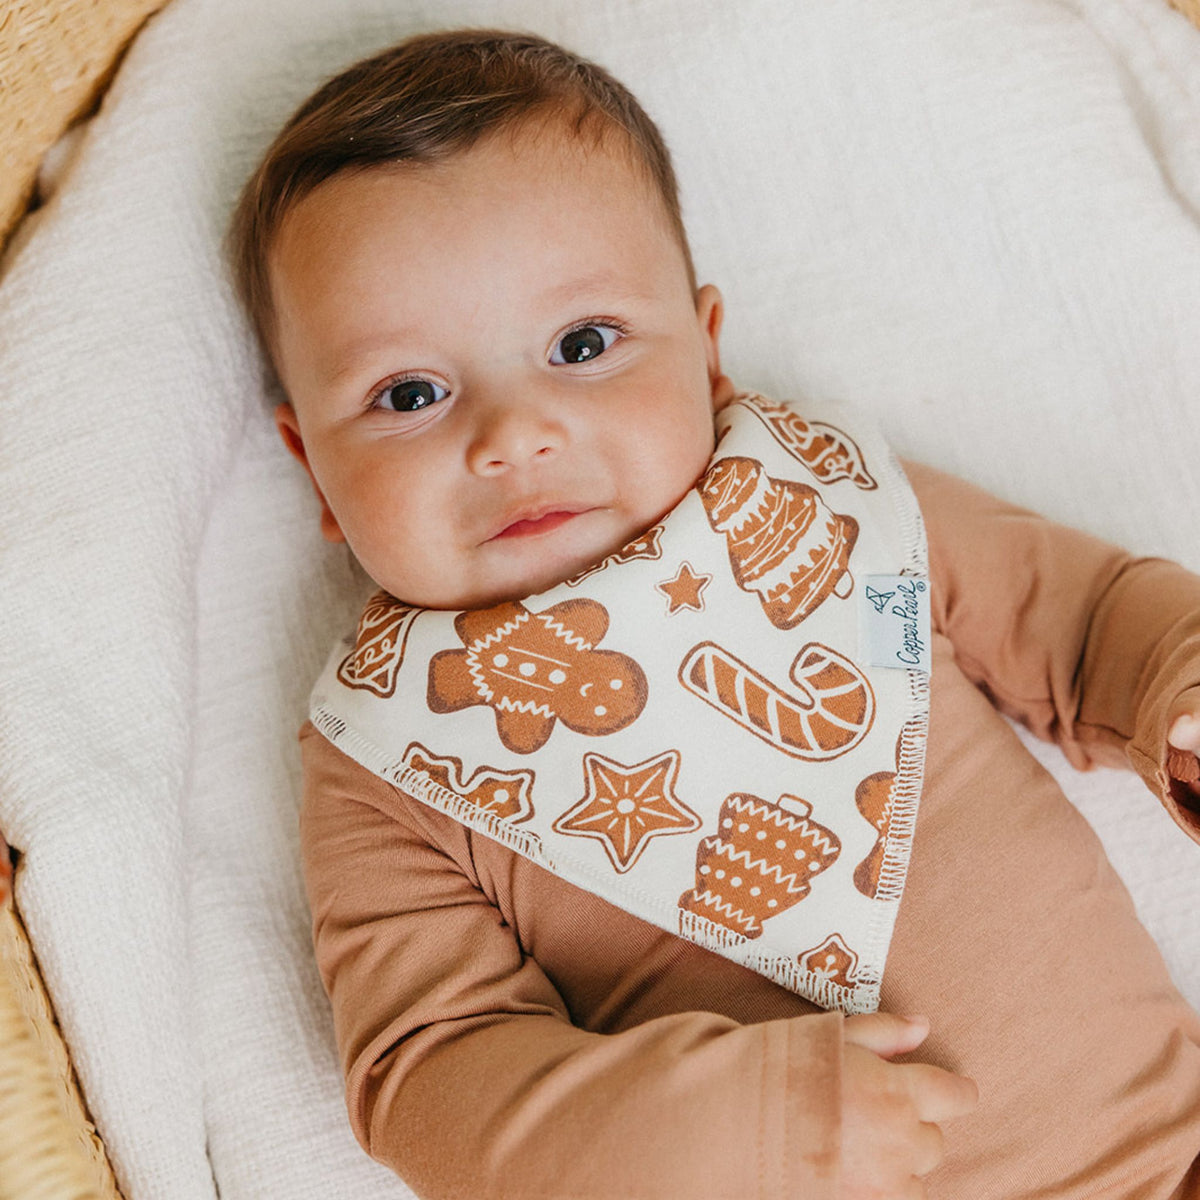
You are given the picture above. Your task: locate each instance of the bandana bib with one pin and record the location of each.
(720, 728)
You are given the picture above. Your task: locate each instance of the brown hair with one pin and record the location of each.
(422, 101)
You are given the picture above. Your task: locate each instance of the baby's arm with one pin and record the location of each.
(466, 1074)
(1081, 641)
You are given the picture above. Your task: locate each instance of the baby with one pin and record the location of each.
(466, 261)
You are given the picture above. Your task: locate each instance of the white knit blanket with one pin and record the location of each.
(979, 221)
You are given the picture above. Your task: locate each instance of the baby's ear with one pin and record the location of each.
(710, 313)
(288, 425)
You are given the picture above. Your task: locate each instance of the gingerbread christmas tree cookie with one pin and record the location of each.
(785, 544)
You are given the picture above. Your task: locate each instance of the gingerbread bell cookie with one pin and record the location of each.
(710, 727)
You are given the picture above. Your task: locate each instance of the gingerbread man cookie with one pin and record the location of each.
(785, 544)
(873, 797)
(534, 669)
(877, 798)
(761, 862)
(379, 647)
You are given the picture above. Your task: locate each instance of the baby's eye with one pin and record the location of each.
(584, 344)
(409, 395)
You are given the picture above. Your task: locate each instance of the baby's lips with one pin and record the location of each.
(531, 518)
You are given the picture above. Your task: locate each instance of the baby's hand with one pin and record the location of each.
(890, 1135)
(1183, 740)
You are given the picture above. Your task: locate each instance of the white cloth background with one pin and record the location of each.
(978, 220)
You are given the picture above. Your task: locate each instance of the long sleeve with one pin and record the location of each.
(1079, 640)
(464, 1070)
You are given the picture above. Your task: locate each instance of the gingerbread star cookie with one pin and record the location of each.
(685, 590)
(534, 669)
(624, 807)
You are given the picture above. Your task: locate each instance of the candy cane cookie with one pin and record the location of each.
(830, 714)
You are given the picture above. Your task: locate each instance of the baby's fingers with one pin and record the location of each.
(886, 1034)
(1183, 723)
(940, 1095)
(929, 1148)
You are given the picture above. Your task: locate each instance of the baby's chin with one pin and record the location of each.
(505, 587)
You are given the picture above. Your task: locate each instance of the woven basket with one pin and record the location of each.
(49, 1149)
(56, 56)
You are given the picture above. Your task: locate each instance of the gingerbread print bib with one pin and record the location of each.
(721, 728)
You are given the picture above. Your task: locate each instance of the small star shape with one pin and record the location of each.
(685, 590)
(624, 807)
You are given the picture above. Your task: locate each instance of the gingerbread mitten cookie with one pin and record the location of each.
(785, 544)
(760, 863)
(536, 668)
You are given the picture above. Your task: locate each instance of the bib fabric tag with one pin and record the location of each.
(894, 622)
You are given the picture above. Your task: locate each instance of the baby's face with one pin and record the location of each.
(498, 371)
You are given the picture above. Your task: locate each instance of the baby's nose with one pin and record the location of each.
(514, 432)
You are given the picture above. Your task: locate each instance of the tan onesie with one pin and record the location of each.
(505, 1034)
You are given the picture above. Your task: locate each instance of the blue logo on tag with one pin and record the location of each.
(895, 625)
(879, 599)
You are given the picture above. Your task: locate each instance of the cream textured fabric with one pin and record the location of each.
(980, 222)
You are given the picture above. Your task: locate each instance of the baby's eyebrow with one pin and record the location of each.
(606, 285)
(349, 358)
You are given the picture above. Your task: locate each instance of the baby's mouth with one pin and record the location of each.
(530, 526)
